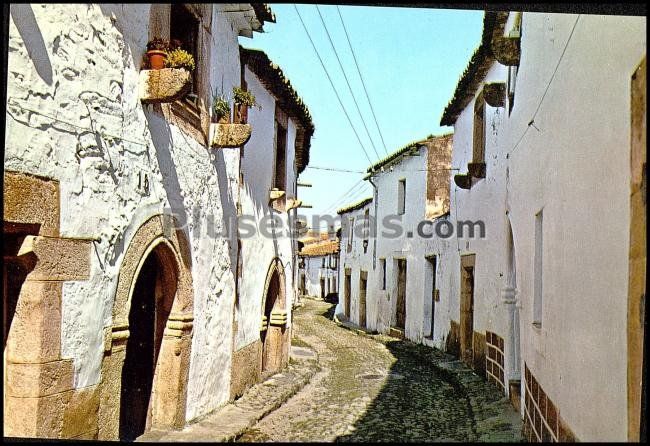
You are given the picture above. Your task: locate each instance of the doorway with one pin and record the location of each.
(400, 312)
(274, 338)
(151, 302)
(363, 284)
(467, 308)
(347, 287)
(431, 282)
(322, 288)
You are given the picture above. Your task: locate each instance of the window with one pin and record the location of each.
(382, 273)
(538, 290)
(323, 265)
(401, 196)
(478, 152)
(184, 29)
(350, 232)
(279, 180)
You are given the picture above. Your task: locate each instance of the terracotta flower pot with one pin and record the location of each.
(157, 59)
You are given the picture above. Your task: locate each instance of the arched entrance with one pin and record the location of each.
(274, 336)
(147, 347)
(509, 298)
(151, 303)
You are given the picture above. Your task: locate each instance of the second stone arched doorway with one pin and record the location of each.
(274, 334)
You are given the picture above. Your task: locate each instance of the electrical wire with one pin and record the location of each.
(362, 81)
(332, 83)
(354, 99)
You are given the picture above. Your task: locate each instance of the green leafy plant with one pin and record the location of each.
(243, 97)
(179, 58)
(220, 105)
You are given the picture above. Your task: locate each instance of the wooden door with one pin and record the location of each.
(363, 284)
(401, 294)
(467, 308)
(138, 369)
(322, 288)
(348, 286)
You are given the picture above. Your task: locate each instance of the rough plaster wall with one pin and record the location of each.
(258, 251)
(576, 167)
(485, 201)
(77, 64)
(413, 168)
(356, 260)
(314, 271)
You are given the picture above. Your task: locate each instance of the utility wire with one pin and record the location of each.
(362, 81)
(331, 83)
(333, 169)
(353, 190)
(354, 99)
(352, 199)
(344, 195)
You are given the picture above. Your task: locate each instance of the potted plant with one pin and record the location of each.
(220, 108)
(179, 58)
(157, 53)
(243, 99)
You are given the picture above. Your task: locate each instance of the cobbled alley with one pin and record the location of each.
(378, 388)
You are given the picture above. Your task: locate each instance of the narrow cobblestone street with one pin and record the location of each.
(377, 388)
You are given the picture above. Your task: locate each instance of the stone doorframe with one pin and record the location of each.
(277, 323)
(40, 399)
(169, 390)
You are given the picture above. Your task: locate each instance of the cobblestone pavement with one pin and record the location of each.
(377, 388)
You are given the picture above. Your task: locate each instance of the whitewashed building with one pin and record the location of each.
(549, 122)
(318, 269)
(120, 199)
(277, 152)
(411, 194)
(355, 263)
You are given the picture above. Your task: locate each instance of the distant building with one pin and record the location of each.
(355, 263)
(318, 269)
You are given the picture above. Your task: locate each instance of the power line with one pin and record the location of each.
(333, 169)
(331, 83)
(351, 199)
(345, 194)
(362, 81)
(353, 190)
(354, 99)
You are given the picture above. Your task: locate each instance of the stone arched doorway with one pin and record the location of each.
(274, 334)
(151, 303)
(147, 353)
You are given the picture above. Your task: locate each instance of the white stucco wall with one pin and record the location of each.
(314, 271)
(576, 167)
(259, 250)
(356, 261)
(74, 115)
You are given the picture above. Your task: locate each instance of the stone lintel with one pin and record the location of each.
(58, 259)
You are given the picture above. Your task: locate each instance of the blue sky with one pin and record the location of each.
(410, 59)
